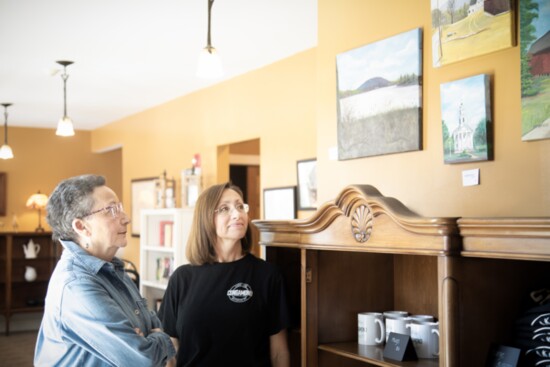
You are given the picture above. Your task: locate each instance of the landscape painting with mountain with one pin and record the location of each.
(380, 97)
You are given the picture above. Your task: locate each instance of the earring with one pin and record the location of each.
(87, 245)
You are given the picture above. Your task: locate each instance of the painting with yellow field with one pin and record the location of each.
(462, 29)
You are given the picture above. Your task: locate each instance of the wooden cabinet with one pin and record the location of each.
(164, 234)
(366, 252)
(20, 293)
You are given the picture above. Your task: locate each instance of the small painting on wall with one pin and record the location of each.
(380, 97)
(462, 29)
(307, 184)
(535, 69)
(466, 120)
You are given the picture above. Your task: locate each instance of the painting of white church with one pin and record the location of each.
(466, 119)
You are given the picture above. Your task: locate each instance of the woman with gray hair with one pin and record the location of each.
(94, 314)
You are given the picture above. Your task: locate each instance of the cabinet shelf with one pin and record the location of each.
(372, 354)
(366, 252)
(154, 284)
(18, 292)
(27, 309)
(161, 226)
(158, 249)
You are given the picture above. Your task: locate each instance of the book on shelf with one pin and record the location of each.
(165, 268)
(166, 229)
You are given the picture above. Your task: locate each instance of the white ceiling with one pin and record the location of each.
(131, 55)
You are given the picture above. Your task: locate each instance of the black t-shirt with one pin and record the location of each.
(224, 313)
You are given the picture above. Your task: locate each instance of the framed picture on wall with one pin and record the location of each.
(466, 119)
(535, 69)
(462, 29)
(379, 97)
(143, 197)
(280, 203)
(307, 184)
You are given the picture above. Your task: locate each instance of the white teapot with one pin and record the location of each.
(31, 249)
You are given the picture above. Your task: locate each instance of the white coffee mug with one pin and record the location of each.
(422, 318)
(395, 314)
(397, 325)
(370, 327)
(425, 338)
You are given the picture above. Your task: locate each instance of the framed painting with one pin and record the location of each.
(143, 197)
(466, 120)
(534, 32)
(280, 203)
(307, 184)
(380, 97)
(462, 29)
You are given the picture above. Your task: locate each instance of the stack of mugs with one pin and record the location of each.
(374, 328)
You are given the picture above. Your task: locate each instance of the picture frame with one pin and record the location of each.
(143, 197)
(280, 203)
(379, 97)
(307, 184)
(466, 119)
(535, 69)
(463, 29)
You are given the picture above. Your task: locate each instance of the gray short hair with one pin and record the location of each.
(71, 199)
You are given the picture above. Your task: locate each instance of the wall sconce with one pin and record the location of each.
(5, 150)
(65, 124)
(210, 65)
(38, 202)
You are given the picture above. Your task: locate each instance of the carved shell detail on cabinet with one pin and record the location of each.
(361, 223)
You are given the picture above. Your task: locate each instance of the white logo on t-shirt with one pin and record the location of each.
(240, 292)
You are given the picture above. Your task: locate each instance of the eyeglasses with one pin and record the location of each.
(228, 209)
(114, 209)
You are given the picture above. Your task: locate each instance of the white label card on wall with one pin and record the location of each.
(470, 177)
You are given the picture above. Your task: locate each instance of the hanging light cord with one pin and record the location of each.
(208, 42)
(65, 76)
(6, 123)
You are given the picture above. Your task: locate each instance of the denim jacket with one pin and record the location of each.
(92, 308)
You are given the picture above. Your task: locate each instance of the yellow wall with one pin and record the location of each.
(516, 183)
(275, 104)
(42, 159)
(291, 107)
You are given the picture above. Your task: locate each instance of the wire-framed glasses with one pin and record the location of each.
(228, 209)
(114, 210)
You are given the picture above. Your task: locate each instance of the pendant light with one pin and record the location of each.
(65, 124)
(210, 65)
(5, 150)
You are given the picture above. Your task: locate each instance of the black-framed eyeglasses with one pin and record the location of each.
(228, 209)
(114, 209)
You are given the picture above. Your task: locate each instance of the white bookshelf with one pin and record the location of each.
(163, 238)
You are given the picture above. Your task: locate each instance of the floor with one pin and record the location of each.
(17, 349)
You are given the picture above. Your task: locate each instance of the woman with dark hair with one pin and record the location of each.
(227, 307)
(94, 315)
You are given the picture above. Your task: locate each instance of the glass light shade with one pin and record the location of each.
(37, 201)
(210, 64)
(6, 152)
(65, 127)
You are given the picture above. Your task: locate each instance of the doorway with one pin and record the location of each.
(240, 163)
